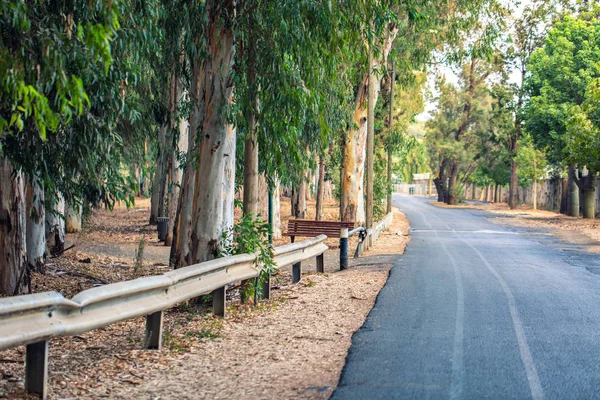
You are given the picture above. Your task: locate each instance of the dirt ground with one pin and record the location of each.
(292, 346)
(569, 229)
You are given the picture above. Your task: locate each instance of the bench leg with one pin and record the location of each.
(296, 272)
(36, 369)
(320, 263)
(292, 239)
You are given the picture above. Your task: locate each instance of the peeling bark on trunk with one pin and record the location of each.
(353, 168)
(14, 274)
(216, 136)
(55, 225)
(35, 229)
(229, 180)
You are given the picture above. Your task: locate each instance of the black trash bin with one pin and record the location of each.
(163, 226)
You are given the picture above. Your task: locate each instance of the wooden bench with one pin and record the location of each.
(311, 228)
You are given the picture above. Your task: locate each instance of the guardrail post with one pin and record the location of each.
(296, 272)
(219, 301)
(321, 263)
(154, 327)
(343, 248)
(266, 288)
(36, 369)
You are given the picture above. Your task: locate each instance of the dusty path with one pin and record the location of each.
(479, 310)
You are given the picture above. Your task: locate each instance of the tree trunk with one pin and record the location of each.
(441, 182)
(250, 192)
(564, 198)
(320, 190)
(589, 195)
(35, 229)
(55, 225)
(73, 213)
(452, 192)
(353, 168)
(299, 199)
(573, 197)
(176, 174)
(160, 177)
(216, 138)
(388, 202)
(14, 274)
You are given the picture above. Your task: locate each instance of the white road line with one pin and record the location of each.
(535, 386)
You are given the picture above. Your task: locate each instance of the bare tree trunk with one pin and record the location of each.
(320, 190)
(573, 199)
(73, 214)
(55, 225)
(352, 190)
(14, 274)
(176, 174)
(35, 229)
(564, 186)
(160, 177)
(299, 199)
(388, 202)
(452, 193)
(588, 185)
(251, 175)
(216, 83)
(440, 182)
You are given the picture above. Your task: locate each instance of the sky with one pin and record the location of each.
(450, 76)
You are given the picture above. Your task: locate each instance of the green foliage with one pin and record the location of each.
(250, 236)
(561, 73)
(531, 163)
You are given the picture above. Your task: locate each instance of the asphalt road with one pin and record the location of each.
(476, 310)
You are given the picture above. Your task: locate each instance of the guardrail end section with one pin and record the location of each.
(36, 369)
(219, 297)
(321, 263)
(154, 329)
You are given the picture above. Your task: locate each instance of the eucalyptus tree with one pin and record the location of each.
(268, 53)
(71, 81)
(431, 25)
(39, 92)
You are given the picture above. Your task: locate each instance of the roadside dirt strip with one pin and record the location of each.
(569, 229)
(292, 346)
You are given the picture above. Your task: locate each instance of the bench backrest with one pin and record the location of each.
(311, 228)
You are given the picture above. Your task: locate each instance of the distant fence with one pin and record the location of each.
(34, 319)
(549, 193)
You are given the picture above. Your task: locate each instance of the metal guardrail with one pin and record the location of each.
(365, 235)
(34, 319)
